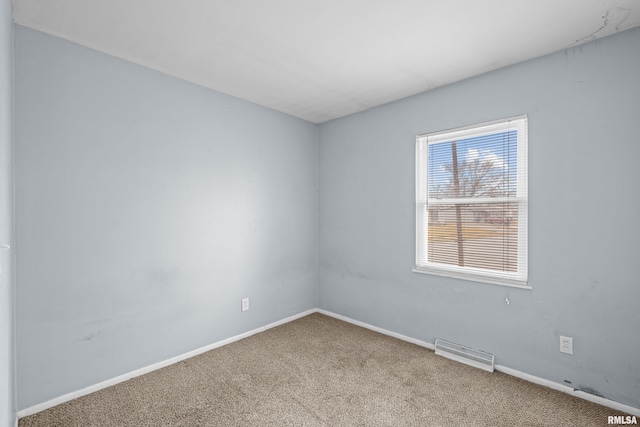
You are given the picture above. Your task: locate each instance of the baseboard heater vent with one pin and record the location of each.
(465, 355)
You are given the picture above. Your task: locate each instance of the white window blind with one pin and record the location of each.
(471, 202)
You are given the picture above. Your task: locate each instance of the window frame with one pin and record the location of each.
(517, 279)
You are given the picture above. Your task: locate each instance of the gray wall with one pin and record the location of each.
(146, 208)
(7, 410)
(584, 152)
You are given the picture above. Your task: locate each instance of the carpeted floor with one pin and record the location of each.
(319, 371)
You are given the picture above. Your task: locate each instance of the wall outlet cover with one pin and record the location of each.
(566, 345)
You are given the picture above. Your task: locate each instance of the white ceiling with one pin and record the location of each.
(323, 59)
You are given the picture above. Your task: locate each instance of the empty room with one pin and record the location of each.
(319, 213)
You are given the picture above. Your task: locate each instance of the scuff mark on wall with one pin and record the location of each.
(588, 390)
(90, 336)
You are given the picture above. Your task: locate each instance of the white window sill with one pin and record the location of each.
(474, 278)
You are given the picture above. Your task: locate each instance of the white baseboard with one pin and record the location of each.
(377, 329)
(108, 383)
(524, 376)
(121, 378)
(568, 390)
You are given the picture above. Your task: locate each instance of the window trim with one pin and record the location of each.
(519, 279)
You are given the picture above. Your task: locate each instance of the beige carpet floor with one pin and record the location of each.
(319, 371)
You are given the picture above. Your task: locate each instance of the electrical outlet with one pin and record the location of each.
(245, 304)
(566, 345)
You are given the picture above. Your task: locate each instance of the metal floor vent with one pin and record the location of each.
(465, 355)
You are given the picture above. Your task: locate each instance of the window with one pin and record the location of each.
(471, 202)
